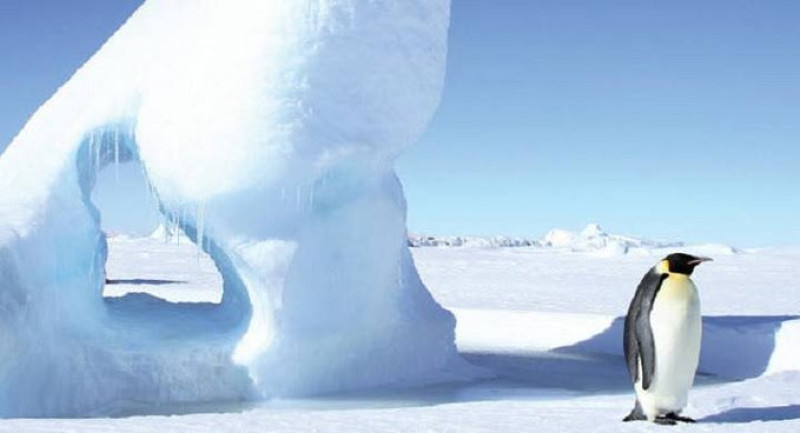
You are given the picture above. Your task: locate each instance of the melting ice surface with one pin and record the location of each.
(267, 131)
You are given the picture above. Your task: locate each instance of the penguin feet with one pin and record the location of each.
(672, 418)
(663, 420)
(636, 414)
(675, 417)
(634, 417)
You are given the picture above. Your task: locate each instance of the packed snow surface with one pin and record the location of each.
(545, 323)
(267, 131)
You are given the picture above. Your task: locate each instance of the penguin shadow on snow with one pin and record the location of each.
(734, 348)
(750, 414)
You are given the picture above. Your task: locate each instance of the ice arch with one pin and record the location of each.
(268, 130)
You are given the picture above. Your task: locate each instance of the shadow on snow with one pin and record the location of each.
(144, 282)
(750, 414)
(734, 348)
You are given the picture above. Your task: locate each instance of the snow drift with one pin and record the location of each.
(268, 132)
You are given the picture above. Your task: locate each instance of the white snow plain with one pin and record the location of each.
(545, 323)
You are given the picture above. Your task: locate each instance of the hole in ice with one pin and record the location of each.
(143, 255)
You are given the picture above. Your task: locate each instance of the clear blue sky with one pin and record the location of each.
(673, 120)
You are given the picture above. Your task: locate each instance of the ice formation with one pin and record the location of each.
(268, 132)
(420, 240)
(592, 239)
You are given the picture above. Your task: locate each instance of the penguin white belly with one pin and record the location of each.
(677, 329)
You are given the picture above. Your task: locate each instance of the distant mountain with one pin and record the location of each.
(591, 239)
(418, 240)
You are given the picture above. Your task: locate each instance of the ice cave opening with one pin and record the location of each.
(146, 252)
(150, 287)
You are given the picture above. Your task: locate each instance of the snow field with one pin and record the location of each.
(267, 132)
(554, 370)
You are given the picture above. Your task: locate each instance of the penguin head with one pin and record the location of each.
(681, 263)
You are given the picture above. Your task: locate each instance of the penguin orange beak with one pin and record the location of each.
(699, 260)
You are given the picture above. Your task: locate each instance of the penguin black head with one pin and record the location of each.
(681, 263)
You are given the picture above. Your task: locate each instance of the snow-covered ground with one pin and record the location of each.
(544, 321)
(192, 276)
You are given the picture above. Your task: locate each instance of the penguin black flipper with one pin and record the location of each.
(638, 337)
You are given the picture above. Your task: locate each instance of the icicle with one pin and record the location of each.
(201, 221)
(176, 226)
(96, 156)
(179, 223)
(297, 198)
(171, 229)
(90, 154)
(173, 223)
(168, 222)
(184, 218)
(91, 267)
(148, 191)
(311, 197)
(116, 154)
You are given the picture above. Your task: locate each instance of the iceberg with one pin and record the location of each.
(267, 132)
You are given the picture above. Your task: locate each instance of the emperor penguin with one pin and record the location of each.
(662, 337)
